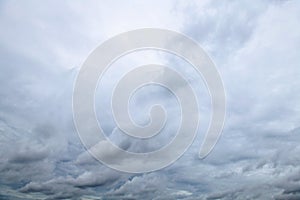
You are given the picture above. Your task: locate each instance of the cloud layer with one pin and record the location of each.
(255, 46)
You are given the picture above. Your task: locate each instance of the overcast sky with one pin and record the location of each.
(254, 44)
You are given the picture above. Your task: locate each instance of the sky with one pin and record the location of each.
(255, 46)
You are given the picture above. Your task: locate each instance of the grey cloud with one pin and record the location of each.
(28, 154)
(224, 27)
(255, 45)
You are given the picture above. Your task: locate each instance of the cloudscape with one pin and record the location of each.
(255, 47)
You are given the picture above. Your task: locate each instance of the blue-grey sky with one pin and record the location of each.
(255, 46)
